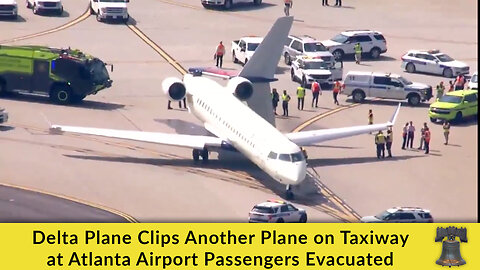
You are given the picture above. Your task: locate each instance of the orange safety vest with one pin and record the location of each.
(427, 136)
(220, 50)
(336, 87)
(460, 80)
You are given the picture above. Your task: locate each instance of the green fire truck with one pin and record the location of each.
(64, 75)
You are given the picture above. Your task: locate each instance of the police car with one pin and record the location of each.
(306, 70)
(434, 62)
(401, 214)
(277, 211)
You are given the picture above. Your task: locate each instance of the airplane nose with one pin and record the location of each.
(296, 173)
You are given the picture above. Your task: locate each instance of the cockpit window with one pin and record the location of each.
(272, 155)
(284, 157)
(298, 157)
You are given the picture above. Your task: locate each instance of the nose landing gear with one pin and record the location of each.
(289, 193)
(197, 153)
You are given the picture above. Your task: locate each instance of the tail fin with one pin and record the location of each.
(260, 69)
(264, 62)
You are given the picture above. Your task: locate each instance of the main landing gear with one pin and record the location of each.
(289, 193)
(197, 153)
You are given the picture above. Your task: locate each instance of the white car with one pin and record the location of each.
(373, 43)
(434, 62)
(277, 211)
(401, 214)
(3, 116)
(473, 83)
(8, 8)
(306, 70)
(362, 84)
(298, 46)
(110, 9)
(39, 6)
(244, 48)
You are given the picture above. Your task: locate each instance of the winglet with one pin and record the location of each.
(394, 116)
(263, 64)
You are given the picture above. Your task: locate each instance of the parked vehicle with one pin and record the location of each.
(473, 83)
(3, 116)
(9, 8)
(401, 215)
(373, 43)
(455, 105)
(41, 6)
(306, 70)
(305, 46)
(64, 75)
(360, 85)
(244, 48)
(434, 62)
(227, 4)
(277, 211)
(110, 9)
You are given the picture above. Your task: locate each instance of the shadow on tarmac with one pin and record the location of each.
(87, 104)
(19, 19)
(321, 162)
(6, 128)
(243, 7)
(389, 102)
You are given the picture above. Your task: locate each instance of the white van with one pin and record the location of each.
(361, 85)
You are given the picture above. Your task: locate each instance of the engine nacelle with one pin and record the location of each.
(174, 88)
(240, 87)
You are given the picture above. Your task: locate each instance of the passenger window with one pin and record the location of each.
(272, 155)
(407, 216)
(430, 57)
(289, 40)
(363, 39)
(284, 208)
(421, 56)
(297, 46)
(381, 80)
(396, 83)
(284, 157)
(471, 98)
(291, 208)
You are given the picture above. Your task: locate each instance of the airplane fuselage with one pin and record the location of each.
(227, 117)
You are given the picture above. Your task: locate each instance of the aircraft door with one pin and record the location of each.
(41, 76)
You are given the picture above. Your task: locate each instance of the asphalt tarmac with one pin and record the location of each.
(161, 183)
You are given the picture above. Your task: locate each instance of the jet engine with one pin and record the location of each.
(240, 87)
(174, 88)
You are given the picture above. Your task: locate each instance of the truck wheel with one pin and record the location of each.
(288, 61)
(246, 60)
(375, 53)
(413, 100)
(234, 58)
(304, 82)
(292, 75)
(358, 96)
(34, 9)
(410, 68)
(433, 120)
(280, 220)
(458, 117)
(228, 4)
(61, 94)
(257, 2)
(338, 54)
(60, 12)
(448, 73)
(91, 10)
(99, 19)
(3, 87)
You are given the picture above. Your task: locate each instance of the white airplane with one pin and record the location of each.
(236, 126)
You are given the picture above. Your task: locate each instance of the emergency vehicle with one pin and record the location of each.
(39, 6)
(277, 211)
(401, 215)
(454, 106)
(306, 70)
(64, 75)
(110, 9)
(434, 62)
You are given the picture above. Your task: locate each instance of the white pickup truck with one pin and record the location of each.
(227, 4)
(110, 9)
(8, 8)
(244, 48)
(3, 116)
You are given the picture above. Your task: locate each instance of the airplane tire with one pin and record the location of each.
(196, 155)
(205, 155)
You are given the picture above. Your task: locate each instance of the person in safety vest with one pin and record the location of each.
(389, 141)
(316, 91)
(300, 97)
(337, 86)
(446, 130)
(380, 142)
(358, 53)
(427, 140)
(288, 5)
(285, 100)
(440, 90)
(219, 52)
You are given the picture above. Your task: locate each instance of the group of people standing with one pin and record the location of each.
(458, 84)
(316, 92)
(408, 135)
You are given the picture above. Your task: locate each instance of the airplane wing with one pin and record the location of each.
(305, 138)
(187, 141)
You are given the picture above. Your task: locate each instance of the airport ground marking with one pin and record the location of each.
(68, 198)
(79, 19)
